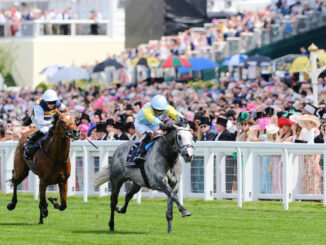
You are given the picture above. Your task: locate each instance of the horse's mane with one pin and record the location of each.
(172, 122)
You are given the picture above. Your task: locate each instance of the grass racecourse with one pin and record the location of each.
(212, 222)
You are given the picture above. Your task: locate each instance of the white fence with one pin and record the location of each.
(221, 170)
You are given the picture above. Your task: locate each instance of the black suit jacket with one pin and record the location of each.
(319, 139)
(123, 136)
(225, 136)
(210, 135)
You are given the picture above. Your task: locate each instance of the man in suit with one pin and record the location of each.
(119, 128)
(222, 133)
(205, 128)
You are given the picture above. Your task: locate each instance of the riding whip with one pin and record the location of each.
(92, 143)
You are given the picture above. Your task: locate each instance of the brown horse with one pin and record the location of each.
(51, 162)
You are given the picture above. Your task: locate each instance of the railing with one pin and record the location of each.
(73, 27)
(248, 41)
(220, 170)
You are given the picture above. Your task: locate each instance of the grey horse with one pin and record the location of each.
(162, 169)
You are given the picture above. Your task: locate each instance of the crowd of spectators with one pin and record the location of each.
(108, 112)
(15, 16)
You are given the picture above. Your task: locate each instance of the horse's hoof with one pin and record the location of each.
(11, 206)
(186, 213)
(40, 223)
(120, 210)
(62, 207)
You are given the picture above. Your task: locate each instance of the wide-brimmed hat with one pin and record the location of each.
(284, 121)
(272, 129)
(309, 118)
(254, 128)
(295, 118)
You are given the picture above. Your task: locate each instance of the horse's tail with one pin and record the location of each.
(101, 177)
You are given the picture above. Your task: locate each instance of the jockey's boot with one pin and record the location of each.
(30, 147)
(140, 156)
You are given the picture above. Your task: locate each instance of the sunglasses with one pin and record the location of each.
(204, 126)
(51, 102)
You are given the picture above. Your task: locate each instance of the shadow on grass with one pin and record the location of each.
(109, 232)
(14, 224)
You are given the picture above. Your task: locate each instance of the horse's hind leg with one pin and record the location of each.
(43, 204)
(19, 173)
(132, 191)
(116, 185)
(63, 197)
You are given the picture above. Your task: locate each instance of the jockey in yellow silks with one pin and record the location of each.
(150, 119)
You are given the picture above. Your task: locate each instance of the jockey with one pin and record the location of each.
(42, 117)
(149, 120)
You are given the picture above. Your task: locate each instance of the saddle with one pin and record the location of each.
(134, 149)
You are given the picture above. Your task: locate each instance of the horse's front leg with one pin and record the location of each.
(43, 204)
(63, 197)
(169, 214)
(165, 187)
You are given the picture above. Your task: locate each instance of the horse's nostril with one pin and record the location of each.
(75, 131)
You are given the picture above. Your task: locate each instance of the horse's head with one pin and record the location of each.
(183, 139)
(65, 124)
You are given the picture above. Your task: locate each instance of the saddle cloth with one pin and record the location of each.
(133, 150)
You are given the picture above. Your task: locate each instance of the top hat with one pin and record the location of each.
(221, 121)
(130, 125)
(129, 107)
(310, 109)
(101, 127)
(259, 114)
(269, 111)
(110, 121)
(205, 120)
(119, 125)
(85, 116)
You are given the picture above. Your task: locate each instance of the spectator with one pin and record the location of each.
(207, 133)
(222, 133)
(119, 131)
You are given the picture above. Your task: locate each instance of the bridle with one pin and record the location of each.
(66, 134)
(176, 147)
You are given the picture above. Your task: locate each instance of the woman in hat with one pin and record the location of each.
(311, 171)
(285, 130)
(274, 168)
(244, 129)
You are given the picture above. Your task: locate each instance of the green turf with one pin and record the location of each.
(212, 222)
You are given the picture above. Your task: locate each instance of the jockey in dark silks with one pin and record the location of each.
(149, 120)
(42, 117)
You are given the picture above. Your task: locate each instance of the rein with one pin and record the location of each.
(63, 136)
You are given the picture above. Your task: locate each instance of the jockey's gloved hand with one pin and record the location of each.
(163, 127)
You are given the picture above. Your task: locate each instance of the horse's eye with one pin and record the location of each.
(179, 137)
